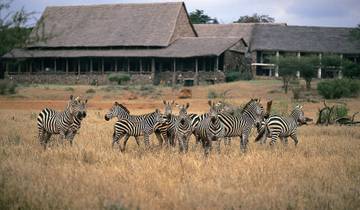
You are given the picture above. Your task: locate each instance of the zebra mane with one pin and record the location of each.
(124, 108)
(247, 104)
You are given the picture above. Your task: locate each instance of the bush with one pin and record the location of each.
(70, 89)
(90, 90)
(338, 88)
(7, 87)
(120, 78)
(212, 94)
(296, 92)
(236, 75)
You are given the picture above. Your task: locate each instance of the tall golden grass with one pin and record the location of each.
(323, 172)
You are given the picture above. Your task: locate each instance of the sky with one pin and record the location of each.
(341, 13)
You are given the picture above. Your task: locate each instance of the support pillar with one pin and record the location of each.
(91, 66)
(277, 67)
(42, 65)
(196, 72)
(78, 66)
(298, 72)
(319, 69)
(216, 63)
(102, 66)
(141, 67)
(128, 65)
(153, 71)
(30, 66)
(340, 72)
(67, 66)
(116, 64)
(55, 65)
(174, 72)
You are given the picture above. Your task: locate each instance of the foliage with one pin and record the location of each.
(331, 61)
(212, 94)
(13, 29)
(71, 89)
(307, 67)
(199, 17)
(287, 68)
(236, 75)
(255, 18)
(296, 92)
(7, 87)
(333, 113)
(338, 88)
(351, 69)
(355, 33)
(120, 78)
(90, 90)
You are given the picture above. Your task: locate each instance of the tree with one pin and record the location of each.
(287, 68)
(255, 18)
(351, 69)
(199, 17)
(307, 67)
(355, 33)
(14, 30)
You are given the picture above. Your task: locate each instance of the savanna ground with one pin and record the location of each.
(323, 172)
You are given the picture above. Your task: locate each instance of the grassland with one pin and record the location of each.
(323, 172)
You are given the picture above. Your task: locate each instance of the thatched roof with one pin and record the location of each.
(181, 48)
(149, 24)
(304, 39)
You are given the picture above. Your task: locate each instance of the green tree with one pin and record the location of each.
(307, 67)
(355, 33)
(14, 30)
(255, 18)
(350, 69)
(287, 68)
(199, 17)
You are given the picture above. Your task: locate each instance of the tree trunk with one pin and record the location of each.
(308, 85)
(286, 84)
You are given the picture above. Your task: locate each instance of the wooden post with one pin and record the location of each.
(217, 63)
(196, 72)
(55, 64)
(174, 72)
(141, 67)
(128, 65)
(79, 66)
(102, 66)
(298, 72)
(30, 66)
(91, 65)
(67, 66)
(116, 64)
(19, 67)
(153, 70)
(277, 67)
(42, 64)
(203, 64)
(319, 70)
(340, 72)
(7, 67)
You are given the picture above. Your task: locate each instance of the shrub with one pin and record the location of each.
(296, 92)
(7, 87)
(212, 94)
(333, 89)
(236, 75)
(90, 90)
(69, 89)
(120, 78)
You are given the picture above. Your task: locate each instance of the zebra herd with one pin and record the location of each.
(211, 127)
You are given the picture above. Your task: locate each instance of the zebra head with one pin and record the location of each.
(255, 110)
(117, 110)
(77, 107)
(214, 111)
(168, 108)
(298, 114)
(159, 117)
(183, 116)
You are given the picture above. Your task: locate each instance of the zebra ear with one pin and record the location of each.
(209, 102)
(164, 102)
(187, 105)
(86, 101)
(71, 97)
(116, 103)
(172, 102)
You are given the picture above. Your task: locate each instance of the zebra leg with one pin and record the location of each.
(294, 137)
(159, 138)
(124, 143)
(218, 145)
(243, 142)
(274, 136)
(187, 143)
(137, 140)
(146, 140)
(284, 140)
(116, 138)
(181, 143)
(42, 137)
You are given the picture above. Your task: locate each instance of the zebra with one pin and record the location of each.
(121, 112)
(283, 127)
(127, 127)
(241, 124)
(51, 122)
(183, 128)
(210, 129)
(74, 128)
(165, 131)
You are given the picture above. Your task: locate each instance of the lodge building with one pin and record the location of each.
(156, 43)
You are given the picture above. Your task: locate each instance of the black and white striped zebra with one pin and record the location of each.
(164, 131)
(73, 130)
(281, 127)
(127, 127)
(51, 122)
(121, 112)
(240, 125)
(183, 128)
(210, 129)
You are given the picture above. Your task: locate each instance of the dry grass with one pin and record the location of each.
(323, 172)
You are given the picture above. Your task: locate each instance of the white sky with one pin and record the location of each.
(294, 12)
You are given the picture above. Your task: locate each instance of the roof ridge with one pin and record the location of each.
(115, 4)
